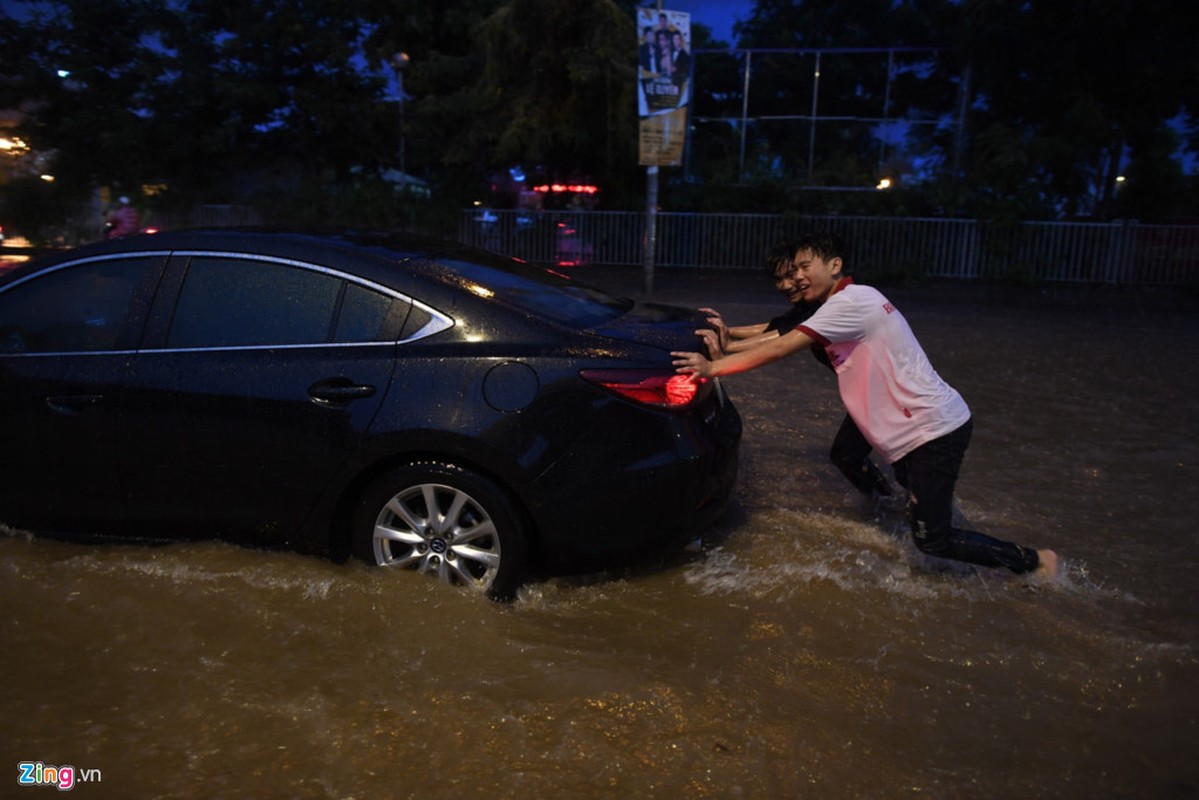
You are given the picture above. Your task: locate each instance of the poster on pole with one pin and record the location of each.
(663, 84)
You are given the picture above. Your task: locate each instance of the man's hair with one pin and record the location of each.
(782, 253)
(823, 244)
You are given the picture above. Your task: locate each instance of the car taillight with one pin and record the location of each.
(653, 387)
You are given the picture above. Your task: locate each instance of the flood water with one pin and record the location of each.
(809, 651)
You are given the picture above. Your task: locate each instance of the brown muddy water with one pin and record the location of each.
(809, 651)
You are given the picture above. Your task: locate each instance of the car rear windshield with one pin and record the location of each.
(539, 292)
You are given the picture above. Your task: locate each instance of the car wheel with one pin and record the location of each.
(444, 520)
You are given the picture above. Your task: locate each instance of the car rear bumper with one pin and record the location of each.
(670, 487)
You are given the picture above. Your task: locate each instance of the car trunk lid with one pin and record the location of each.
(658, 325)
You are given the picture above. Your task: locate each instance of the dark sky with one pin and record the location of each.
(719, 15)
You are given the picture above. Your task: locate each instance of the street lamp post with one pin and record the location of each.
(399, 62)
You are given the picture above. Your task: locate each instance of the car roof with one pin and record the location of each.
(440, 273)
(373, 253)
(282, 242)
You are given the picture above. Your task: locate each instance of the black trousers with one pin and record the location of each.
(930, 473)
(851, 454)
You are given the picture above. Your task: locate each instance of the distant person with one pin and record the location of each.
(915, 420)
(123, 221)
(665, 66)
(680, 60)
(850, 451)
(645, 51)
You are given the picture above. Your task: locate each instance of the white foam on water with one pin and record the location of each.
(209, 565)
(782, 552)
(775, 553)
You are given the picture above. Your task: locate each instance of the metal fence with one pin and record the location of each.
(887, 247)
(911, 248)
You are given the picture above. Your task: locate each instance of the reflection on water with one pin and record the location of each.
(809, 651)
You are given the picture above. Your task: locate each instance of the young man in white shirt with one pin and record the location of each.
(850, 451)
(916, 421)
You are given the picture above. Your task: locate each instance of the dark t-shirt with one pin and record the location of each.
(787, 321)
(791, 318)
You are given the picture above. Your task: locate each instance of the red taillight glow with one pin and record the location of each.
(680, 390)
(650, 387)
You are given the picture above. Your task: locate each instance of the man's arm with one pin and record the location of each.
(725, 334)
(767, 352)
(748, 331)
(761, 334)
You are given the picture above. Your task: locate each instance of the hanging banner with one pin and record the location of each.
(663, 84)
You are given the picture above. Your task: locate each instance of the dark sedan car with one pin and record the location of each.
(416, 403)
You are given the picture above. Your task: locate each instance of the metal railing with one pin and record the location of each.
(910, 248)
(879, 247)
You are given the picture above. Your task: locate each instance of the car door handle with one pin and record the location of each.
(73, 403)
(339, 390)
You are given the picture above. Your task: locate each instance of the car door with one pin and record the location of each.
(66, 336)
(262, 378)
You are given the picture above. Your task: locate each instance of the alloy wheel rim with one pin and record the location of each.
(441, 530)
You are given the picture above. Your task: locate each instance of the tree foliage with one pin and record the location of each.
(1030, 109)
(1027, 109)
(1083, 90)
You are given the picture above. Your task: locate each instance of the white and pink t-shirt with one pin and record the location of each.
(886, 381)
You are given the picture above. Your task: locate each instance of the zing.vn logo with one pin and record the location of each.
(35, 773)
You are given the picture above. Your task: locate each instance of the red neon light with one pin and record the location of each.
(575, 188)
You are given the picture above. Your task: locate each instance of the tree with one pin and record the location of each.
(212, 98)
(1070, 95)
(538, 83)
(286, 78)
(561, 76)
(445, 132)
(193, 94)
(847, 64)
(82, 83)
(1059, 99)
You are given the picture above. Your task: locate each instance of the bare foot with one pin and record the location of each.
(1047, 568)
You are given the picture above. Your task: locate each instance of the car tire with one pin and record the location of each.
(446, 520)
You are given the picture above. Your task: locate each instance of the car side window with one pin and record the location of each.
(368, 316)
(232, 302)
(90, 307)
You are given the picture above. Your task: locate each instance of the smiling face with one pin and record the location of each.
(808, 277)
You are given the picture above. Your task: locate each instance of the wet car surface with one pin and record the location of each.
(415, 403)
